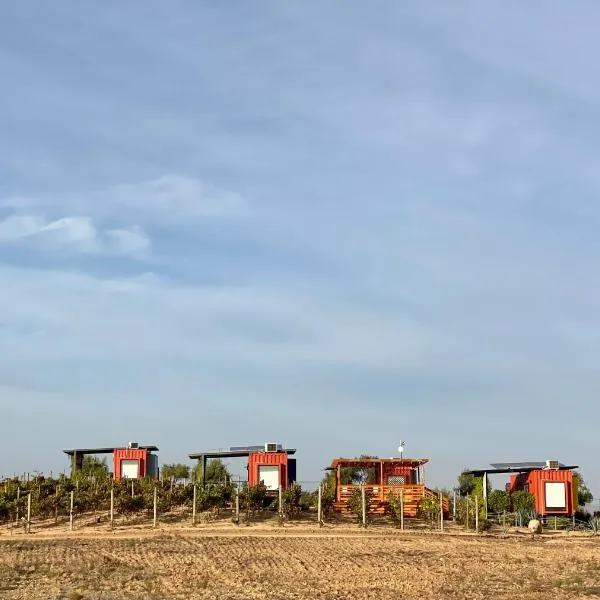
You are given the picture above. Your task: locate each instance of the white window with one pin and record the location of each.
(269, 475)
(130, 469)
(556, 495)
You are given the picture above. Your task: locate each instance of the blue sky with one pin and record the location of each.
(324, 224)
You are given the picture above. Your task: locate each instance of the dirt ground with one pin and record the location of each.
(295, 563)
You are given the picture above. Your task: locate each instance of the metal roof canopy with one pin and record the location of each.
(517, 467)
(237, 452)
(105, 450)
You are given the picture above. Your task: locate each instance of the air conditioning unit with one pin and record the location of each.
(271, 447)
(553, 465)
(132, 445)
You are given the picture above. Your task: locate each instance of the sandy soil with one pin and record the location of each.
(264, 562)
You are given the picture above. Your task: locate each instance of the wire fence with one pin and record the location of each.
(37, 503)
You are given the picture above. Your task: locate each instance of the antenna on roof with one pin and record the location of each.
(401, 448)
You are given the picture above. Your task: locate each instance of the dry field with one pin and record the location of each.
(296, 563)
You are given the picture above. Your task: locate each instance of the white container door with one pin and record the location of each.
(269, 475)
(556, 495)
(130, 469)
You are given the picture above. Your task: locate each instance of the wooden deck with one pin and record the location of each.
(379, 504)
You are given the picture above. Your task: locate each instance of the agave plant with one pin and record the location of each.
(594, 524)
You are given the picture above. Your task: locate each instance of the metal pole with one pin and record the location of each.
(237, 504)
(132, 488)
(29, 513)
(364, 506)
(155, 507)
(468, 504)
(402, 509)
(112, 507)
(194, 506)
(477, 514)
(280, 501)
(441, 512)
(320, 506)
(71, 512)
(454, 506)
(18, 498)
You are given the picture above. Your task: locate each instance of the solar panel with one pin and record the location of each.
(521, 465)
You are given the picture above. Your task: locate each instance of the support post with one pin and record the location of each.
(132, 488)
(155, 508)
(468, 503)
(441, 513)
(454, 506)
(320, 506)
(364, 505)
(29, 513)
(280, 502)
(112, 506)
(402, 509)
(71, 511)
(194, 505)
(237, 504)
(476, 514)
(18, 498)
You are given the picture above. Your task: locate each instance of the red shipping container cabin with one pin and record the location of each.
(553, 485)
(131, 462)
(554, 490)
(270, 468)
(270, 463)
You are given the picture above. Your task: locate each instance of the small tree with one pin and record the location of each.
(466, 483)
(291, 498)
(499, 501)
(216, 472)
(584, 494)
(176, 471)
(252, 499)
(429, 510)
(355, 502)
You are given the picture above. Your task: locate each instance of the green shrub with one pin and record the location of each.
(355, 502)
(499, 501)
(429, 511)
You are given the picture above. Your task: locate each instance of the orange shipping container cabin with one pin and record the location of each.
(553, 489)
(132, 462)
(270, 463)
(552, 484)
(271, 467)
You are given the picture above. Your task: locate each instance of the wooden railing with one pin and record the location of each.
(412, 494)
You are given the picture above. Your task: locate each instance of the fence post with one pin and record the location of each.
(194, 506)
(280, 498)
(155, 508)
(132, 488)
(454, 506)
(441, 512)
(237, 504)
(18, 498)
(476, 514)
(320, 506)
(402, 509)
(112, 506)
(364, 505)
(29, 513)
(467, 500)
(71, 512)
